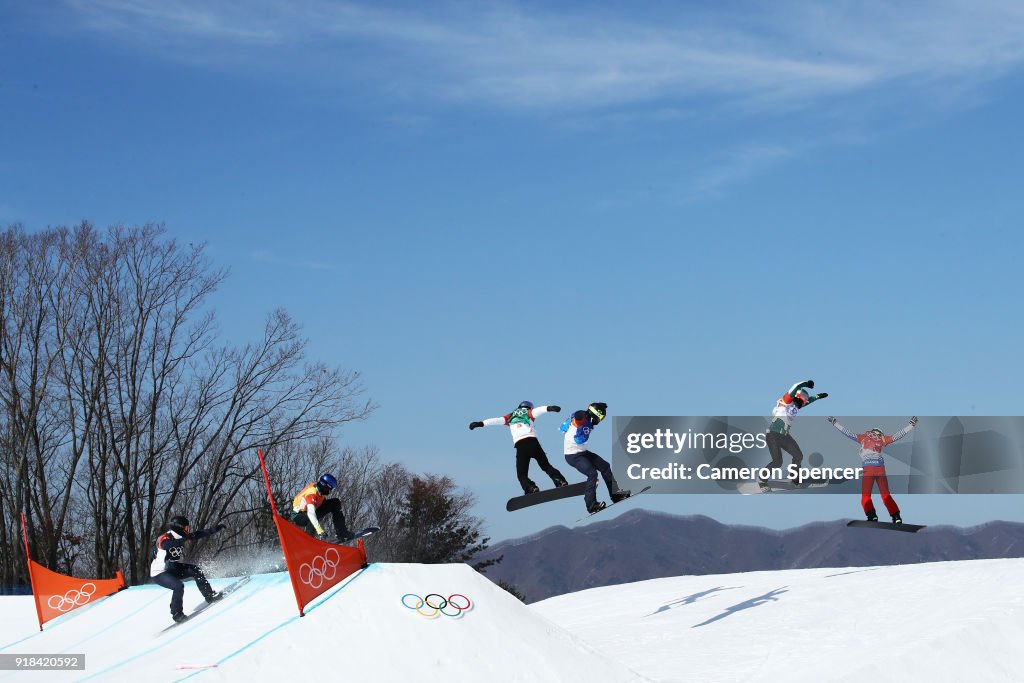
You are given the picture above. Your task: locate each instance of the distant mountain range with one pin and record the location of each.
(641, 545)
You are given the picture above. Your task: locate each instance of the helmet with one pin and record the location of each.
(876, 431)
(179, 524)
(580, 416)
(326, 483)
(526, 404)
(802, 398)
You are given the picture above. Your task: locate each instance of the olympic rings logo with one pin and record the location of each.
(72, 599)
(455, 605)
(322, 568)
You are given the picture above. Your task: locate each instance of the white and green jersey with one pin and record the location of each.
(785, 408)
(519, 422)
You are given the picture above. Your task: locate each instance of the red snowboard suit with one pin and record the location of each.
(871, 444)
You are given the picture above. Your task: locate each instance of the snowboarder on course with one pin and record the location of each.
(524, 438)
(311, 505)
(577, 432)
(871, 444)
(778, 437)
(169, 569)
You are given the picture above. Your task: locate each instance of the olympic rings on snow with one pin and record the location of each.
(449, 607)
(72, 599)
(320, 569)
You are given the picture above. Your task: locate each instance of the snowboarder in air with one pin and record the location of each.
(778, 437)
(524, 438)
(311, 505)
(169, 568)
(871, 444)
(577, 432)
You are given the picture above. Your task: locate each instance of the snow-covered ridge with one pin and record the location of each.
(942, 621)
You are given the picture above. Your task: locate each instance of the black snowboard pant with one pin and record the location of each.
(527, 449)
(330, 507)
(783, 442)
(590, 464)
(173, 578)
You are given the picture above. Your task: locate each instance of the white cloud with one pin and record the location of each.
(737, 165)
(499, 55)
(850, 67)
(154, 23)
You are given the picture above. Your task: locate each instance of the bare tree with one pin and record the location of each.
(119, 408)
(36, 289)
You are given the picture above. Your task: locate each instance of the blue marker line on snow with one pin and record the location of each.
(185, 631)
(284, 623)
(63, 619)
(67, 617)
(99, 632)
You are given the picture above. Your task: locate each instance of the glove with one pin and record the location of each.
(220, 527)
(554, 409)
(913, 420)
(831, 420)
(823, 394)
(474, 425)
(810, 384)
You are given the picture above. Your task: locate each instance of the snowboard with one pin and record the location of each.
(546, 496)
(591, 514)
(909, 528)
(749, 488)
(203, 606)
(363, 533)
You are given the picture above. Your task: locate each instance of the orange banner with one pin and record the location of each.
(313, 565)
(57, 594)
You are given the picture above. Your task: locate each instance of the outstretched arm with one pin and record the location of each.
(806, 384)
(540, 410)
(203, 533)
(906, 430)
(835, 423)
(490, 422)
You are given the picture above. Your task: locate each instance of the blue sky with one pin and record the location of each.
(674, 208)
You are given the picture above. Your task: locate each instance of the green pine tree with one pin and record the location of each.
(436, 526)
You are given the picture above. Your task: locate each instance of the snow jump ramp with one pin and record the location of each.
(360, 630)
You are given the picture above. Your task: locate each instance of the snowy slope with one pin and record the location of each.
(359, 630)
(946, 621)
